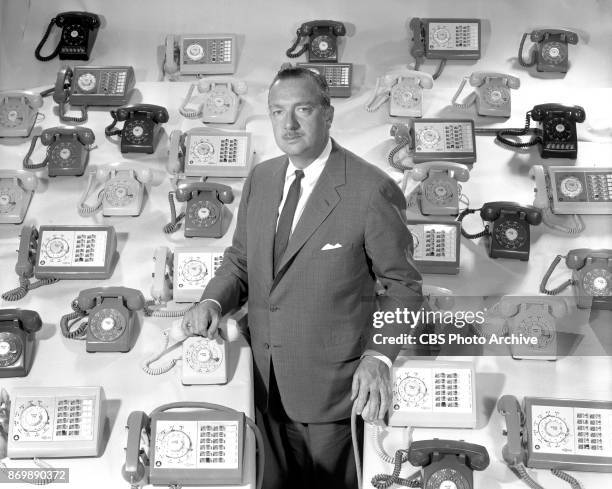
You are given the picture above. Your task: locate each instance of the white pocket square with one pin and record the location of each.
(330, 246)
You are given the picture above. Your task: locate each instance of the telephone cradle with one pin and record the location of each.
(142, 128)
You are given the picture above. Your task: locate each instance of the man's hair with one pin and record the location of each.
(287, 71)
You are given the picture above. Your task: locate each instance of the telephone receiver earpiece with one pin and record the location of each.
(29, 182)
(226, 196)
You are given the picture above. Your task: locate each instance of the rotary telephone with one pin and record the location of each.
(436, 246)
(404, 92)
(204, 214)
(18, 112)
(92, 85)
(444, 39)
(591, 277)
(221, 100)
(110, 326)
(492, 94)
(217, 431)
(56, 422)
(79, 31)
(510, 235)
(322, 43)
(142, 128)
(200, 54)
(16, 190)
(550, 52)
(571, 190)
(556, 434)
(17, 332)
(424, 140)
(52, 253)
(436, 187)
(121, 189)
(210, 153)
(68, 150)
(557, 137)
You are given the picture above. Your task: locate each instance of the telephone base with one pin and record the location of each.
(205, 361)
(559, 150)
(75, 167)
(21, 204)
(339, 77)
(22, 365)
(148, 146)
(80, 53)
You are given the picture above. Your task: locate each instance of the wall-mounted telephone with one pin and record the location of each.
(533, 317)
(92, 85)
(16, 190)
(445, 39)
(591, 277)
(204, 446)
(56, 422)
(52, 253)
(111, 315)
(510, 235)
(491, 95)
(557, 137)
(550, 52)
(17, 331)
(403, 90)
(120, 188)
(339, 77)
(436, 246)
(142, 127)
(79, 31)
(434, 140)
(209, 153)
(18, 112)
(221, 100)
(68, 150)
(200, 54)
(556, 434)
(204, 214)
(437, 187)
(572, 190)
(322, 42)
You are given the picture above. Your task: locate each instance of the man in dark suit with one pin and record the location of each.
(316, 230)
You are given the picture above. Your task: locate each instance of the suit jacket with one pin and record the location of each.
(314, 319)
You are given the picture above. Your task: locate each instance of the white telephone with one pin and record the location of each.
(120, 189)
(220, 102)
(491, 95)
(16, 190)
(403, 90)
(200, 54)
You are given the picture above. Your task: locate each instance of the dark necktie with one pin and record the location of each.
(285, 221)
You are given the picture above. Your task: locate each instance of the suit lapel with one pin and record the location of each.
(272, 198)
(323, 199)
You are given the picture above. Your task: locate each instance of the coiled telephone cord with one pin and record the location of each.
(190, 113)
(146, 366)
(518, 132)
(70, 118)
(440, 69)
(378, 98)
(108, 130)
(521, 61)
(548, 219)
(384, 481)
(464, 233)
(86, 209)
(42, 42)
(25, 286)
(398, 166)
(175, 221)
(525, 477)
(26, 160)
(544, 282)
(290, 53)
(77, 315)
(469, 101)
(165, 313)
(564, 476)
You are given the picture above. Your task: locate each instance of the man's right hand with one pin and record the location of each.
(203, 320)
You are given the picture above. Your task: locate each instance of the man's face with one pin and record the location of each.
(301, 124)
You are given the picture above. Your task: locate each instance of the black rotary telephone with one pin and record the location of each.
(322, 44)
(79, 30)
(17, 328)
(141, 130)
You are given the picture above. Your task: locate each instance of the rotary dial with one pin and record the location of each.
(107, 324)
(121, 192)
(204, 213)
(137, 131)
(554, 52)
(598, 282)
(12, 114)
(411, 391)
(511, 234)
(205, 356)
(11, 347)
(323, 46)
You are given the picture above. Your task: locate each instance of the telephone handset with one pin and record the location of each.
(142, 127)
(79, 31)
(110, 324)
(18, 112)
(92, 85)
(436, 246)
(422, 140)
(591, 277)
(510, 234)
(52, 253)
(210, 153)
(56, 422)
(322, 44)
(491, 95)
(16, 190)
(445, 39)
(557, 137)
(551, 52)
(221, 100)
(204, 214)
(556, 434)
(17, 332)
(68, 150)
(437, 186)
(200, 54)
(403, 90)
(217, 433)
(120, 188)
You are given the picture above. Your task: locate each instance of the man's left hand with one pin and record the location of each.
(372, 389)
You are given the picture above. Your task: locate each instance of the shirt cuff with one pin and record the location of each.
(383, 358)
(216, 302)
